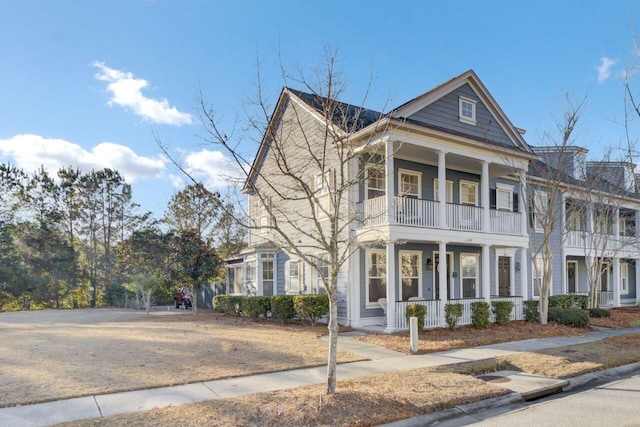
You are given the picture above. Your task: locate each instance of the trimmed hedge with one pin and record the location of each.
(599, 312)
(256, 306)
(569, 301)
(452, 314)
(569, 317)
(231, 304)
(282, 307)
(416, 310)
(480, 314)
(502, 310)
(311, 307)
(531, 311)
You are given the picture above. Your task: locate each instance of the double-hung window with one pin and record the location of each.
(469, 193)
(504, 197)
(376, 266)
(537, 273)
(410, 274)
(294, 277)
(540, 208)
(469, 273)
(375, 181)
(624, 278)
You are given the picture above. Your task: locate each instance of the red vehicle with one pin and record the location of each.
(182, 299)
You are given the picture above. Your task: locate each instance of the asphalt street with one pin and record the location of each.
(615, 403)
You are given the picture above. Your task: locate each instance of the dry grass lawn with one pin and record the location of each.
(384, 398)
(56, 354)
(443, 339)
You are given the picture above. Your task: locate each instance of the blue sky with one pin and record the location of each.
(87, 83)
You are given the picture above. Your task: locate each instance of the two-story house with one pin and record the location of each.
(440, 202)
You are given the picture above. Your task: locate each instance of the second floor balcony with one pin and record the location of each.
(415, 212)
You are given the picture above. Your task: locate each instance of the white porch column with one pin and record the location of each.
(391, 288)
(484, 183)
(616, 281)
(354, 289)
(390, 182)
(486, 276)
(524, 221)
(442, 278)
(442, 189)
(637, 260)
(524, 274)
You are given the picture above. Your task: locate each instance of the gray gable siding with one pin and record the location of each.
(443, 113)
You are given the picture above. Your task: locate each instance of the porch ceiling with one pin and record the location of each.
(418, 154)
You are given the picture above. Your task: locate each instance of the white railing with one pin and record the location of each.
(584, 239)
(466, 308)
(372, 212)
(516, 312)
(464, 217)
(505, 222)
(605, 298)
(431, 320)
(418, 212)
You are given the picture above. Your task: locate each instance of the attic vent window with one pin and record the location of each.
(467, 111)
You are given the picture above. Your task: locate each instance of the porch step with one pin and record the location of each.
(529, 386)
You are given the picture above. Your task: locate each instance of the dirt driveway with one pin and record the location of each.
(53, 354)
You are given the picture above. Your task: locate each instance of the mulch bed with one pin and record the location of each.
(622, 317)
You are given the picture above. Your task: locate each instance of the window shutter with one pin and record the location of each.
(492, 198)
(516, 202)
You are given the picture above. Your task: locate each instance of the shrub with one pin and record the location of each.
(502, 310)
(282, 307)
(570, 317)
(311, 307)
(553, 313)
(231, 304)
(531, 311)
(480, 314)
(416, 310)
(452, 314)
(569, 301)
(256, 306)
(599, 312)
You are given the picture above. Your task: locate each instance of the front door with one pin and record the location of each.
(504, 276)
(436, 273)
(572, 273)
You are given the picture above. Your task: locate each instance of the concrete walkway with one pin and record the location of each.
(382, 361)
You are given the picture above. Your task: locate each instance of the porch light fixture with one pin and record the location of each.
(429, 264)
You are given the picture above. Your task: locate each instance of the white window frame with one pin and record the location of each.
(419, 269)
(472, 184)
(540, 204)
(624, 278)
(322, 186)
(534, 276)
(504, 189)
(322, 264)
(383, 189)
(462, 101)
(417, 175)
(290, 276)
(622, 226)
(448, 190)
(368, 277)
(462, 276)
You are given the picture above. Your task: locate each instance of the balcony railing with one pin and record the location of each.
(425, 213)
(584, 239)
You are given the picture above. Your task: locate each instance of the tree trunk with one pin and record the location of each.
(333, 342)
(194, 302)
(544, 309)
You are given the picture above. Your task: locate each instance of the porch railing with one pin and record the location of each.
(466, 308)
(582, 239)
(431, 320)
(464, 217)
(605, 298)
(426, 213)
(516, 312)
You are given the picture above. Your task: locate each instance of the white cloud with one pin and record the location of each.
(126, 91)
(214, 168)
(29, 152)
(604, 69)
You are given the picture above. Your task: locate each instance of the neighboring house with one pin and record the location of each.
(442, 205)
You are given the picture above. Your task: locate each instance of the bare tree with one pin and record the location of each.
(549, 179)
(300, 182)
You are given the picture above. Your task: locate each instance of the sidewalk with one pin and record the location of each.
(382, 361)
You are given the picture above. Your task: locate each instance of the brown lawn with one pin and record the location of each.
(56, 354)
(384, 398)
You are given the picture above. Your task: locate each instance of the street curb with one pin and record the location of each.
(508, 399)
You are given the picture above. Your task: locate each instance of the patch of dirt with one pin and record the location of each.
(622, 317)
(443, 339)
